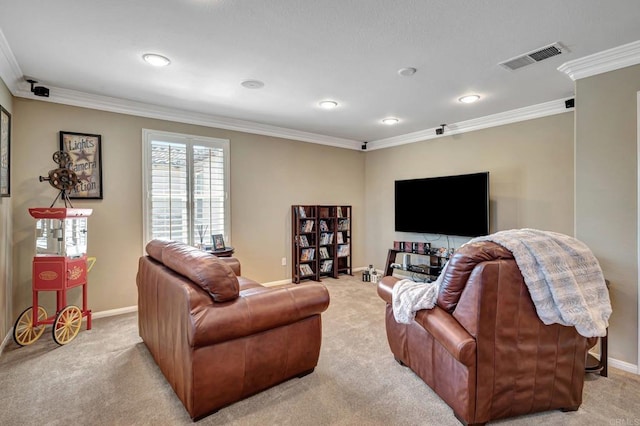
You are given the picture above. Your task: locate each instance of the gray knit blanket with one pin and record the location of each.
(563, 277)
(408, 297)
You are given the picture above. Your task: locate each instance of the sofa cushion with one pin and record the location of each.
(154, 248)
(205, 270)
(460, 267)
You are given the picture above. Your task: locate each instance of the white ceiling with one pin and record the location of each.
(349, 51)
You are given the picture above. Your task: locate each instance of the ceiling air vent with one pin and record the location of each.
(533, 56)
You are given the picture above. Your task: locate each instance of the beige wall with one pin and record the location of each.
(606, 193)
(6, 226)
(268, 175)
(530, 168)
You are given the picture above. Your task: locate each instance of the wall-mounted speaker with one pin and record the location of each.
(38, 90)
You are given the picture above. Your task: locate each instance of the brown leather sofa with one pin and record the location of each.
(219, 337)
(482, 348)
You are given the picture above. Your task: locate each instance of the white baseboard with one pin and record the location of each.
(620, 365)
(113, 312)
(6, 340)
(276, 283)
(624, 366)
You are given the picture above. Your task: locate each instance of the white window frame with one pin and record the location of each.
(148, 136)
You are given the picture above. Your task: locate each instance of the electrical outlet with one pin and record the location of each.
(284, 261)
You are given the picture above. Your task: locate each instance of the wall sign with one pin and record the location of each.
(86, 157)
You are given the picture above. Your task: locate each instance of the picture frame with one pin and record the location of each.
(218, 242)
(5, 152)
(85, 150)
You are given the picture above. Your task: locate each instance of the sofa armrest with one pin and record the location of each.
(385, 288)
(449, 333)
(233, 263)
(256, 312)
(440, 324)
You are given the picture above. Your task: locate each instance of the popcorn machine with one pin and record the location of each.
(60, 264)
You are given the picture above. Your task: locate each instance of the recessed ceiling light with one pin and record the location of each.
(252, 84)
(390, 121)
(328, 104)
(407, 72)
(469, 99)
(156, 60)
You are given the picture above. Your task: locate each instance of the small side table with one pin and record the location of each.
(225, 252)
(593, 365)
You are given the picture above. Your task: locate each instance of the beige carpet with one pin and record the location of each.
(107, 377)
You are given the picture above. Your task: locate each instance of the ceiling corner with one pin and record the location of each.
(607, 60)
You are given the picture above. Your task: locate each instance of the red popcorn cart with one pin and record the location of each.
(60, 264)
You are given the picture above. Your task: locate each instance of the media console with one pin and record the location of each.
(429, 271)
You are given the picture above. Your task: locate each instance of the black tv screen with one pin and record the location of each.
(449, 205)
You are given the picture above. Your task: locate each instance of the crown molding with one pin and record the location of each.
(499, 119)
(607, 60)
(10, 71)
(141, 109)
(121, 106)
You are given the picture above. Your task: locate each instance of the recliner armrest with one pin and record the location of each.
(449, 333)
(439, 323)
(256, 312)
(385, 288)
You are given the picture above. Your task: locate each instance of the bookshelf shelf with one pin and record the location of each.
(324, 231)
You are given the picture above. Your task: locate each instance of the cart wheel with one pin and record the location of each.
(67, 324)
(24, 333)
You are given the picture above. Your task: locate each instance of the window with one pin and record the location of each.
(185, 187)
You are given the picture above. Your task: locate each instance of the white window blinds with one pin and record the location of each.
(186, 181)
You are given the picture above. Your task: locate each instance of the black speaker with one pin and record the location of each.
(41, 91)
(38, 90)
(569, 103)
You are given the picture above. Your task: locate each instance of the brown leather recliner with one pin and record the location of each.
(482, 348)
(219, 337)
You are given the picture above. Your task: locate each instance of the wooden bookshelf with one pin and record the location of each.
(343, 241)
(326, 240)
(304, 231)
(324, 231)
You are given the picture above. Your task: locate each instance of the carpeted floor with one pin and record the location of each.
(106, 376)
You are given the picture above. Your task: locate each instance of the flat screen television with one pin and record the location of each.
(450, 205)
